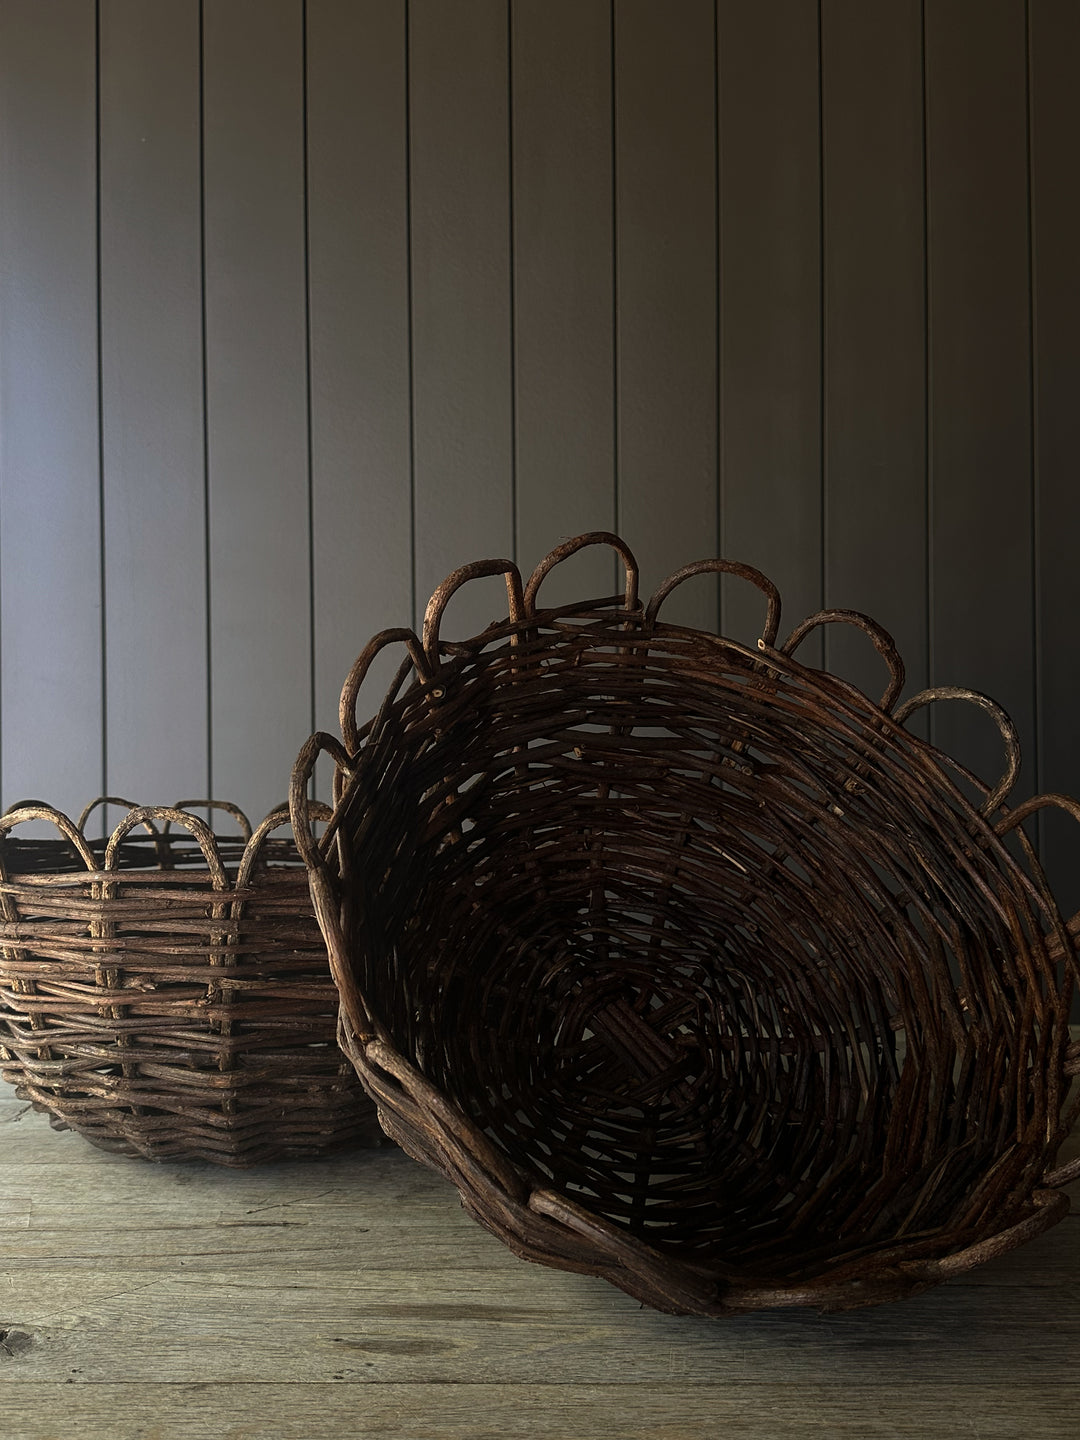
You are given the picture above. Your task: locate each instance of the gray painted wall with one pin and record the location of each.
(305, 305)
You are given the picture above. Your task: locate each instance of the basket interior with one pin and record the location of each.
(29, 856)
(707, 943)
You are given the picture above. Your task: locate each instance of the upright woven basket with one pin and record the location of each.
(686, 962)
(165, 991)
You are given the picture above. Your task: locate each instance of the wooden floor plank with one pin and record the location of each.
(352, 1297)
(468, 1327)
(497, 1412)
(204, 1326)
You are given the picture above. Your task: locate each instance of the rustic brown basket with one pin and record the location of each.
(165, 991)
(687, 963)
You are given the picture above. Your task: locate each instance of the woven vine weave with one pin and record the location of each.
(165, 991)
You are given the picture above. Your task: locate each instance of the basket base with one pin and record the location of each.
(257, 1137)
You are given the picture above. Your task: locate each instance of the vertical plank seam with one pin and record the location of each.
(615, 456)
(928, 444)
(102, 571)
(511, 278)
(3, 396)
(718, 517)
(207, 549)
(823, 514)
(1036, 485)
(309, 453)
(407, 20)
(613, 494)
(3, 796)
(3, 407)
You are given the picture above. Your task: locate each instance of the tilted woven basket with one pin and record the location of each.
(687, 963)
(165, 991)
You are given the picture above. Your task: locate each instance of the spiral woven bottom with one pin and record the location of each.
(706, 955)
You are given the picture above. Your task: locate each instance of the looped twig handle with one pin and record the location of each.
(571, 547)
(226, 805)
(439, 601)
(274, 821)
(37, 810)
(117, 800)
(303, 811)
(724, 567)
(350, 731)
(1017, 817)
(1029, 807)
(170, 815)
(882, 640)
(1001, 719)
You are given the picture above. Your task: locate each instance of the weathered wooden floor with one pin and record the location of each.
(353, 1298)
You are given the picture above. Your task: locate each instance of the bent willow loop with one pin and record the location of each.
(686, 962)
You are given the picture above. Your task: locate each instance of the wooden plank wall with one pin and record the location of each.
(304, 304)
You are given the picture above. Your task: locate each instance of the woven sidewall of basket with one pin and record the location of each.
(687, 963)
(165, 991)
